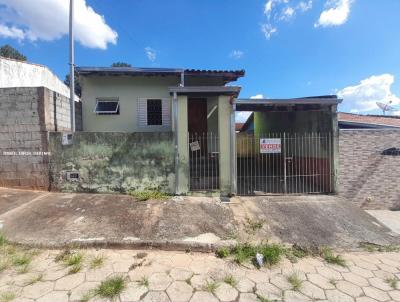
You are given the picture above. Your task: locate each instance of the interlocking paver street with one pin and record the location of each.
(195, 277)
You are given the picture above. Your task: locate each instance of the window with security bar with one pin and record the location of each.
(107, 107)
(154, 112)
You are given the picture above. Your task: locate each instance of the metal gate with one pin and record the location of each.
(203, 161)
(283, 163)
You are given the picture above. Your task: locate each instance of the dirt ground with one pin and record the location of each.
(53, 219)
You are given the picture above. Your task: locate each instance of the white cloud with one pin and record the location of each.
(336, 13)
(363, 97)
(278, 11)
(287, 13)
(258, 96)
(305, 6)
(151, 54)
(47, 20)
(236, 54)
(268, 30)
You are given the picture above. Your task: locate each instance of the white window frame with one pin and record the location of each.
(107, 100)
(165, 107)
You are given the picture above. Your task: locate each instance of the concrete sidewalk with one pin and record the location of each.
(197, 223)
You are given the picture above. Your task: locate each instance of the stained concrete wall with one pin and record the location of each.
(113, 162)
(367, 177)
(26, 114)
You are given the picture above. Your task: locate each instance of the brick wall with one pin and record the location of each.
(26, 114)
(365, 175)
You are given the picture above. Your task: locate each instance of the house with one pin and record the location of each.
(359, 121)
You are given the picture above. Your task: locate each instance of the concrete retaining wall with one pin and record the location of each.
(366, 176)
(113, 162)
(26, 114)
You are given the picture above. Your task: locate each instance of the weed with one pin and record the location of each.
(111, 288)
(144, 281)
(141, 255)
(243, 252)
(21, 259)
(272, 253)
(188, 281)
(146, 195)
(230, 280)
(295, 281)
(35, 279)
(73, 259)
(63, 255)
(329, 257)
(253, 225)
(210, 287)
(372, 247)
(3, 240)
(7, 297)
(23, 269)
(393, 282)
(222, 252)
(333, 281)
(86, 297)
(76, 268)
(262, 299)
(97, 261)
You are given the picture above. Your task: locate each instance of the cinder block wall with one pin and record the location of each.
(366, 176)
(26, 114)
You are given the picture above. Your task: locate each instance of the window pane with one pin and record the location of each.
(107, 107)
(154, 112)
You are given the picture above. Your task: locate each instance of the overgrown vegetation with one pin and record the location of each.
(393, 282)
(8, 51)
(372, 247)
(7, 297)
(230, 280)
(97, 261)
(246, 252)
(252, 226)
(35, 279)
(295, 281)
(330, 257)
(71, 259)
(111, 288)
(146, 195)
(210, 287)
(17, 257)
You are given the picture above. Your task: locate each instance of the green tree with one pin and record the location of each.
(8, 51)
(120, 64)
(78, 89)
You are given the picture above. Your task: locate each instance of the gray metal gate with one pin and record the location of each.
(203, 161)
(283, 163)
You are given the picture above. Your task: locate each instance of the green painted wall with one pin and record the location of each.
(113, 162)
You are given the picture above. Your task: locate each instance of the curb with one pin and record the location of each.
(164, 245)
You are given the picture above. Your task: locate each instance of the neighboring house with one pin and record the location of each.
(358, 121)
(33, 101)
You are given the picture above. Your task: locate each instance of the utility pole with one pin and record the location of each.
(72, 64)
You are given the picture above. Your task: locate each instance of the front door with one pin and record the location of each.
(197, 116)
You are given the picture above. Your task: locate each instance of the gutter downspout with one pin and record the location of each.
(233, 147)
(175, 121)
(182, 78)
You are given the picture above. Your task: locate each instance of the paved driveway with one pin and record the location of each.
(182, 277)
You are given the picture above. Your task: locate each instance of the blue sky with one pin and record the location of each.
(289, 48)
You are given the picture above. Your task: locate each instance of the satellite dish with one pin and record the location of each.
(385, 107)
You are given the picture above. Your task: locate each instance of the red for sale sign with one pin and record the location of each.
(270, 145)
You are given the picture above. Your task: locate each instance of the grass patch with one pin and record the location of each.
(97, 261)
(7, 297)
(144, 281)
(3, 240)
(331, 258)
(146, 195)
(35, 279)
(22, 259)
(111, 288)
(372, 247)
(210, 287)
(223, 252)
(262, 299)
(86, 297)
(76, 268)
(393, 283)
(73, 259)
(230, 280)
(252, 226)
(295, 281)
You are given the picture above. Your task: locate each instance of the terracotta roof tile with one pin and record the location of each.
(383, 120)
